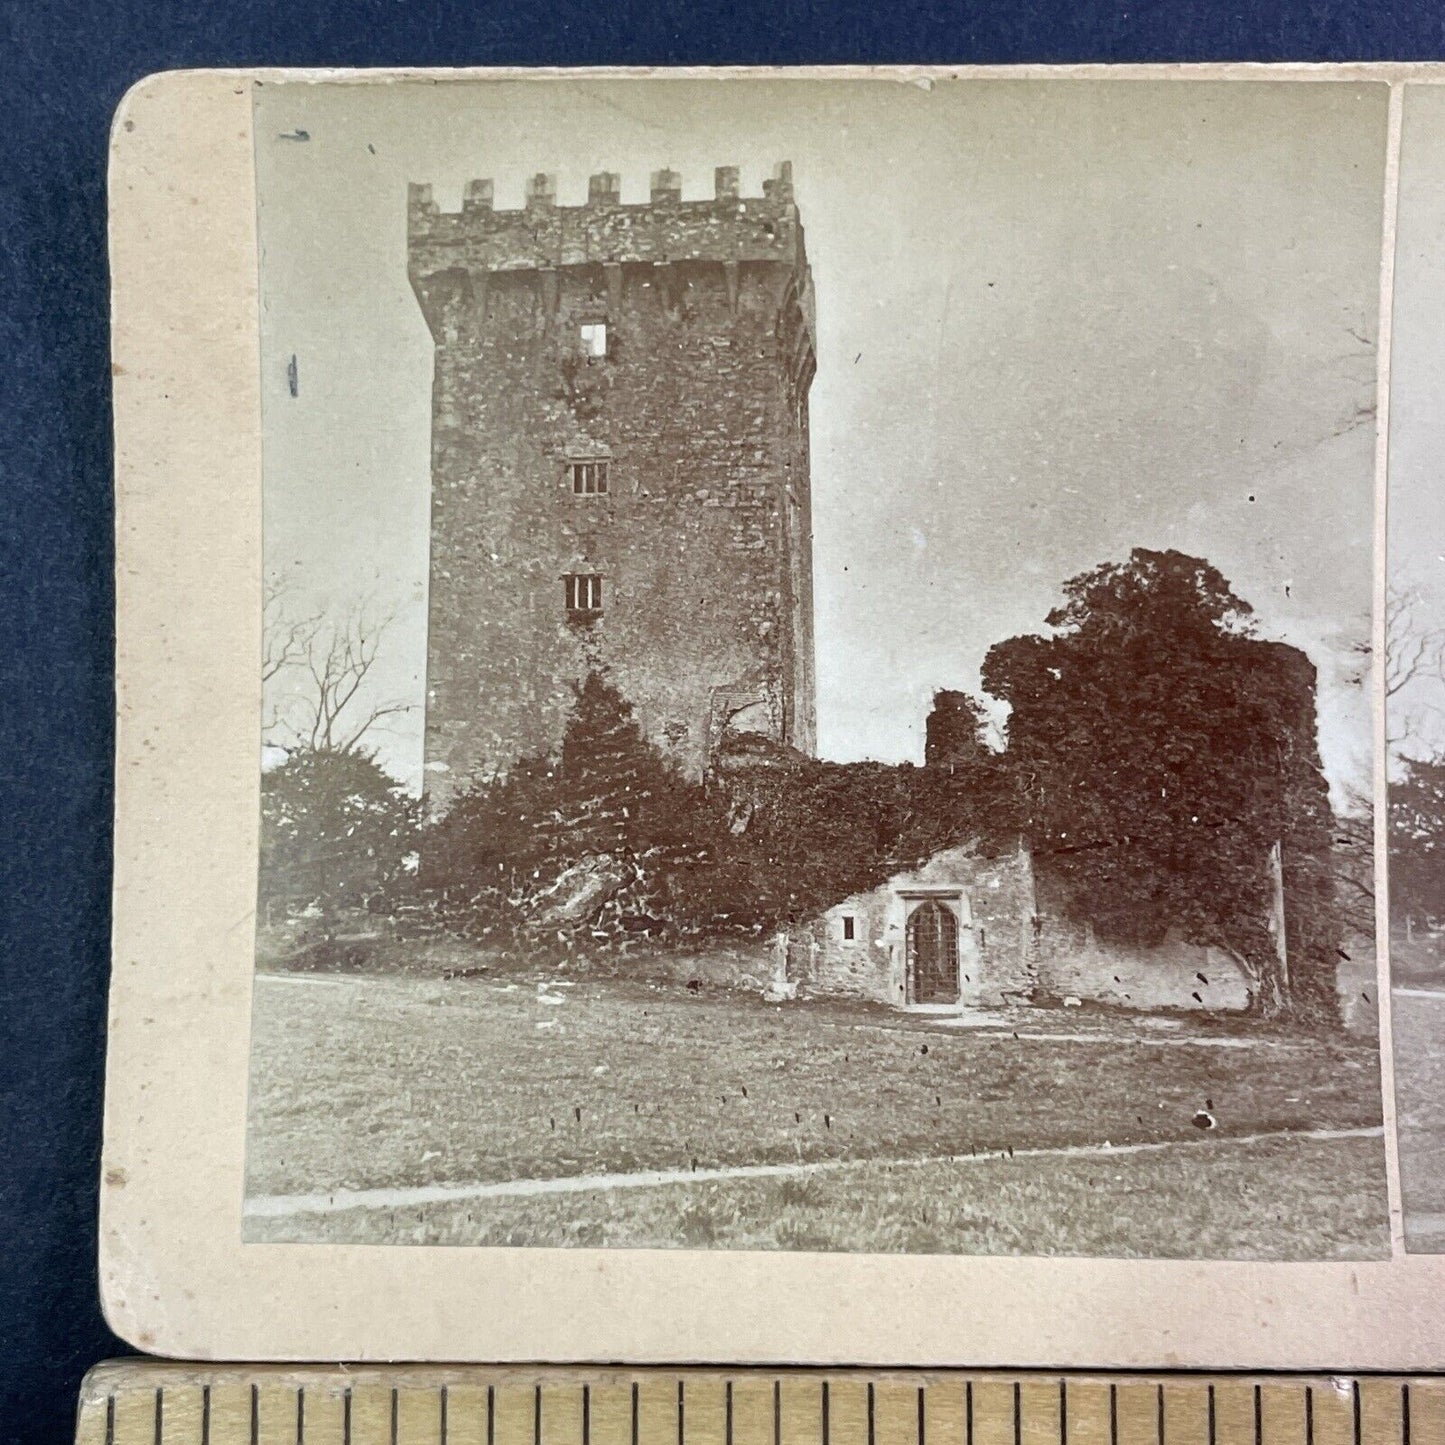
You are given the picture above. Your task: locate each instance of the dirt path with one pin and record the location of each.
(273, 1206)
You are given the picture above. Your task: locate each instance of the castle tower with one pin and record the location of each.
(619, 467)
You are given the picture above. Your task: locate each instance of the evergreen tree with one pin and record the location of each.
(613, 786)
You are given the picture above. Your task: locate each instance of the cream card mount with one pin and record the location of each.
(748, 728)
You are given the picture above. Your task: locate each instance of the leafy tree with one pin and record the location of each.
(336, 830)
(1162, 751)
(803, 833)
(1417, 842)
(599, 818)
(608, 824)
(335, 827)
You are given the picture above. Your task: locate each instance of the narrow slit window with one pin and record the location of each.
(589, 479)
(593, 336)
(583, 592)
(848, 927)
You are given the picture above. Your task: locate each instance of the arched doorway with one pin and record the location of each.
(932, 953)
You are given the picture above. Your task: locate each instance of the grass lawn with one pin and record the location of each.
(1418, 1025)
(1418, 961)
(1280, 1199)
(394, 1082)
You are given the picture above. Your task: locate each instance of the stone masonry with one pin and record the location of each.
(619, 407)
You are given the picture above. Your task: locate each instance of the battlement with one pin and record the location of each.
(542, 235)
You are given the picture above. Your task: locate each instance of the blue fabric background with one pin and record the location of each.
(63, 67)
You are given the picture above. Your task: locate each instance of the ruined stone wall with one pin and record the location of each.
(1173, 974)
(1069, 961)
(699, 408)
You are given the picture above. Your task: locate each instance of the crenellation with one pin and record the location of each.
(603, 230)
(541, 190)
(477, 196)
(780, 187)
(666, 188)
(604, 189)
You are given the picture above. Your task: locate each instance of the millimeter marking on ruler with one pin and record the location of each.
(149, 1403)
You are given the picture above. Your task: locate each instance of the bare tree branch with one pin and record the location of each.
(1414, 655)
(1410, 648)
(284, 636)
(335, 658)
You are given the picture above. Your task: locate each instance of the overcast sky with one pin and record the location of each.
(1417, 395)
(1056, 320)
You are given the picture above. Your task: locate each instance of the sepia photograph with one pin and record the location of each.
(817, 667)
(1415, 673)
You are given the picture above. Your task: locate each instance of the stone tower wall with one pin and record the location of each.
(700, 410)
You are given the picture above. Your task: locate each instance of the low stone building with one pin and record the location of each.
(965, 930)
(952, 933)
